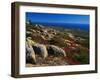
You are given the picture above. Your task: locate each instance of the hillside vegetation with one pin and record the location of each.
(74, 42)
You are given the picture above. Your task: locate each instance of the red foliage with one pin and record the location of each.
(71, 61)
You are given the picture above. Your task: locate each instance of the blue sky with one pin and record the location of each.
(57, 18)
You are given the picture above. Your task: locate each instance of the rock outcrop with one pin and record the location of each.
(55, 50)
(40, 49)
(30, 54)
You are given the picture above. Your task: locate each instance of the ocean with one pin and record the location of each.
(85, 27)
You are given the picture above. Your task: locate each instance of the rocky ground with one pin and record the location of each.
(73, 43)
(49, 61)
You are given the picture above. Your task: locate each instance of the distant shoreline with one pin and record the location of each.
(84, 27)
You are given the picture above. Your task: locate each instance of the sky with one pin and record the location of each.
(53, 18)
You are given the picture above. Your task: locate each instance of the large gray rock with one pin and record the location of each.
(30, 54)
(40, 49)
(55, 50)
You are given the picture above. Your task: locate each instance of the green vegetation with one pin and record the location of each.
(82, 56)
